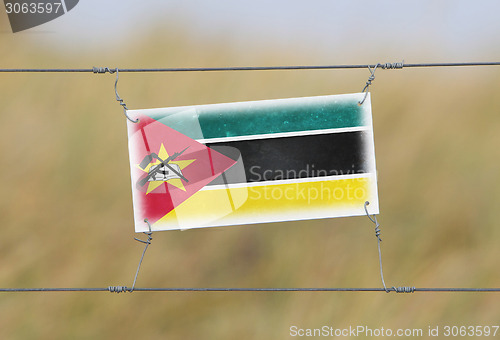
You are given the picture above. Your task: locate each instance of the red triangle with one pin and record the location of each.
(147, 137)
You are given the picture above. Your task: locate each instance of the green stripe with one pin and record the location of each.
(263, 117)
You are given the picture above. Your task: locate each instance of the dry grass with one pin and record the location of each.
(66, 209)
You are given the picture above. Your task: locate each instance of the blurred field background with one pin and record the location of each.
(66, 209)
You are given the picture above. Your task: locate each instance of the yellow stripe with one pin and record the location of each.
(268, 203)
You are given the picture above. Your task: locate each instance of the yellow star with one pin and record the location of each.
(177, 182)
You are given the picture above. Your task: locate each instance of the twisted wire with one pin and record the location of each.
(102, 70)
(392, 66)
(117, 289)
(368, 83)
(377, 235)
(118, 99)
(147, 242)
(404, 289)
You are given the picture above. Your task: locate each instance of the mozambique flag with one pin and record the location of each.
(252, 162)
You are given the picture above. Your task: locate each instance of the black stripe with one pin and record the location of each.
(297, 157)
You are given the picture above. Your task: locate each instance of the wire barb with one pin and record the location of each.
(404, 289)
(118, 289)
(103, 70)
(392, 66)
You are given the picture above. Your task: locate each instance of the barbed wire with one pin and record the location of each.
(121, 289)
(398, 65)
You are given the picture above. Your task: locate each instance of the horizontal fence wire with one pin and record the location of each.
(248, 68)
(120, 289)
